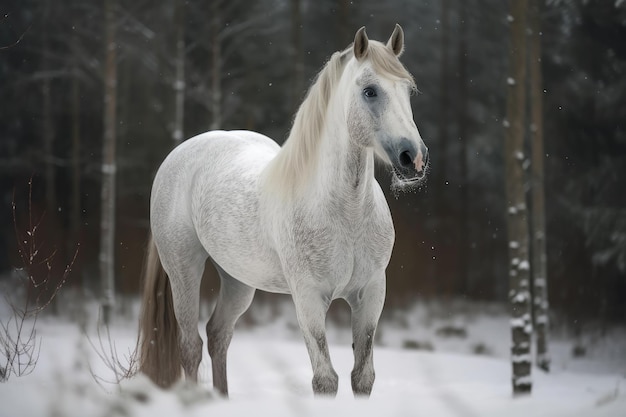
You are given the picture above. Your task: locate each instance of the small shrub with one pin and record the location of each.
(418, 345)
(579, 351)
(34, 290)
(481, 349)
(452, 330)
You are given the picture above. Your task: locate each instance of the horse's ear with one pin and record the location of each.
(361, 44)
(396, 41)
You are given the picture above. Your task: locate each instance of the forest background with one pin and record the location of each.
(184, 67)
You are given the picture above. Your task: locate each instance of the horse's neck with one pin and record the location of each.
(345, 169)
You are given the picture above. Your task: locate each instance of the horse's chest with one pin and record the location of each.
(336, 254)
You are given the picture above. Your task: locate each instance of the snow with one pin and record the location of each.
(520, 322)
(109, 169)
(270, 373)
(521, 358)
(520, 297)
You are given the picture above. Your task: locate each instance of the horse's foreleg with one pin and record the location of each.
(311, 311)
(233, 300)
(366, 308)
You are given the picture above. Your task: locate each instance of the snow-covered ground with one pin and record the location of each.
(431, 360)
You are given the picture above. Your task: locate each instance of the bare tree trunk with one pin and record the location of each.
(462, 120)
(216, 67)
(107, 224)
(517, 222)
(47, 132)
(76, 206)
(47, 128)
(443, 89)
(75, 209)
(297, 55)
(179, 82)
(444, 276)
(344, 29)
(540, 290)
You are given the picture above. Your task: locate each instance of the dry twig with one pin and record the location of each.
(19, 345)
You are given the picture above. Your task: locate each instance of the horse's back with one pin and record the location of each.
(206, 153)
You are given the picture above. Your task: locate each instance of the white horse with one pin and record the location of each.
(308, 219)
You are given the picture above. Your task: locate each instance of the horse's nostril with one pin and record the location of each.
(405, 159)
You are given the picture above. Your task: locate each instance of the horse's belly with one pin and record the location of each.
(255, 272)
(237, 246)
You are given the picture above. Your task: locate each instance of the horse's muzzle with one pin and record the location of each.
(410, 162)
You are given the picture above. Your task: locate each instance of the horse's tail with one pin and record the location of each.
(159, 352)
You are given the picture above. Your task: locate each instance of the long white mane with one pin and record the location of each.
(297, 158)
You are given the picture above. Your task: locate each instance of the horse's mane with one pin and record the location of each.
(295, 160)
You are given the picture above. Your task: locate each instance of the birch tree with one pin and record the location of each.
(462, 113)
(216, 67)
(179, 78)
(76, 149)
(517, 224)
(538, 227)
(107, 223)
(445, 283)
(297, 55)
(47, 132)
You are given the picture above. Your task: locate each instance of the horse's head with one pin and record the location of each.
(379, 109)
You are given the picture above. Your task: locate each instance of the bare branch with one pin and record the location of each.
(122, 369)
(19, 345)
(17, 41)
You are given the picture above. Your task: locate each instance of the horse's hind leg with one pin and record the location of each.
(233, 300)
(183, 259)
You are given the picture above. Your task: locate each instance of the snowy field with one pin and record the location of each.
(432, 360)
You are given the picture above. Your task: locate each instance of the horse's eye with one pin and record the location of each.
(369, 92)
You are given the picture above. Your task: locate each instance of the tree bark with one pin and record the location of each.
(343, 24)
(463, 136)
(445, 273)
(48, 131)
(540, 290)
(216, 67)
(107, 224)
(297, 55)
(443, 90)
(75, 94)
(47, 125)
(179, 82)
(517, 223)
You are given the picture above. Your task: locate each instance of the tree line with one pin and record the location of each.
(183, 67)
